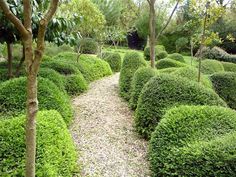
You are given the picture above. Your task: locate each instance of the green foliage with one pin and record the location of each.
(88, 46)
(177, 57)
(168, 63)
(13, 98)
(159, 52)
(194, 141)
(181, 44)
(230, 67)
(167, 70)
(75, 84)
(140, 78)
(53, 76)
(56, 154)
(165, 91)
(161, 55)
(224, 84)
(211, 66)
(114, 60)
(52, 49)
(132, 61)
(46, 58)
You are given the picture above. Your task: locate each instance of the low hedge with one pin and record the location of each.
(165, 91)
(88, 46)
(177, 57)
(141, 77)
(230, 67)
(131, 63)
(114, 60)
(56, 154)
(13, 98)
(75, 84)
(159, 52)
(225, 85)
(167, 63)
(211, 66)
(194, 141)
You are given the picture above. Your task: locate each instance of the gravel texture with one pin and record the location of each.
(104, 135)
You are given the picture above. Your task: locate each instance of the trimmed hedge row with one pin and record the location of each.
(211, 66)
(114, 60)
(56, 154)
(75, 84)
(230, 67)
(177, 57)
(167, 63)
(194, 141)
(165, 91)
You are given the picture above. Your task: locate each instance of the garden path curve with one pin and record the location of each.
(104, 135)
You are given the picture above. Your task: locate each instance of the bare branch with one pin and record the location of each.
(12, 18)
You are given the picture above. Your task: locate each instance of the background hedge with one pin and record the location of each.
(177, 57)
(168, 63)
(114, 60)
(160, 52)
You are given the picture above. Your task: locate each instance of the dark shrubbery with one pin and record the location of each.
(177, 57)
(167, 63)
(114, 60)
(225, 85)
(194, 141)
(165, 91)
(159, 52)
(230, 67)
(141, 77)
(75, 84)
(13, 97)
(132, 62)
(88, 46)
(56, 154)
(211, 66)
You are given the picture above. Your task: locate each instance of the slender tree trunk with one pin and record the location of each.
(191, 46)
(18, 68)
(9, 59)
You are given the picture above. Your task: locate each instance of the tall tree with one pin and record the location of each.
(33, 57)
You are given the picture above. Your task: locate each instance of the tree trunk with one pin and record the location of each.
(152, 38)
(9, 59)
(191, 46)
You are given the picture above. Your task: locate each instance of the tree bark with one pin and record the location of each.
(9, 59)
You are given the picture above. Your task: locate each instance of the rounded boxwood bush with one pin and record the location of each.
(88, 46)
(53, 76)
(13, 98)
(158, 49)
(141, 77)
(161, 55)
(75, 84)
(194, 141)
(167, 63)
(132, 61)
(165, 91)
(114, 60)
(211, 66)
(56, 154)
(177, 57)
(224, 84)
(230, 67)
(167, 70)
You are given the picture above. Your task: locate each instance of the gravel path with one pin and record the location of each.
(104, 134)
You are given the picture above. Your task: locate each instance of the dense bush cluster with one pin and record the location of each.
(211, 66)
(75, 84)
(165, 91)
(87, 46)
(229, 67)
(114, 60)
(194, 141)
(132, 62)
(177, 57)
(160, 52)
(167, 63)
(56, 154)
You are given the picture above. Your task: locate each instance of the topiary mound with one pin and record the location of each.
(132, 61)
(191, 73)
(230, 67)
(194, 141)
(211, 66)
(225, 85)
(114, 60)
(159, 52)
(167, 70)
(161, 55)
(167, 63)
(165, 91)
(56, 154)
(75, 84)
(177, 57)
(141, 77)
(53, 76)
(13, 98)
(88, 46)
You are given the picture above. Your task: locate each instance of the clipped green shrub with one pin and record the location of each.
(75, 84)
(165, 91)
(131, 63)
(211, 66)
(56, 154)
(53, 76)
(167, 70)
(114, 60)
(191, 74)
(168, 63)
(161, 55)
(140, 78)
(225, 85)
(194, 141)
(230, 67)
(158, 49)
(70, 57)
(88, 46)
(177, 57)
(13, 98)
(46, 58)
